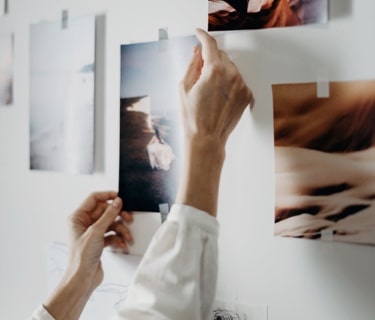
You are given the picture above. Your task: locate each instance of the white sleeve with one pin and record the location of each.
(41, 314)
(176, 279)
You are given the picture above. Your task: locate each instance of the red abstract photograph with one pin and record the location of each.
(261, 14)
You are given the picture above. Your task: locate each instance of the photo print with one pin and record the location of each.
(6, 69)
(325, 161)
(150, 124)
(62, 88)
(261, 14)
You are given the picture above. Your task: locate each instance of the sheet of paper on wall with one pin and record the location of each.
(62, 90)
(6, 69)
(261, 14)
(143, 228)
(150, 124)
(108, 297)
(325, 161)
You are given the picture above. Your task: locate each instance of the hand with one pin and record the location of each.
(213, 93)
(95, 225)
(213, 97)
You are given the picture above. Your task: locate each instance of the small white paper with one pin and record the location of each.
(322, 87)
(143, 228)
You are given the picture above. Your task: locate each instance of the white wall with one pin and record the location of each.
(297, 279)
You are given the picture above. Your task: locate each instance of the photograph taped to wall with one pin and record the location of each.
(150, 124)
(325, 161)
(62, 89)
(6, 69)
(261, 14)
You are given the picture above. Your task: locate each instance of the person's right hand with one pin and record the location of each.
(213, 97)
(213, 92)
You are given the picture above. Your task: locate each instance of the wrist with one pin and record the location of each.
(199, 183)
(205, 149)
(71, 295)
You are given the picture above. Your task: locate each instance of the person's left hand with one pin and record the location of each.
(95, 225)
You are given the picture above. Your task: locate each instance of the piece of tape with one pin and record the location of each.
(163, 39)
(64, 19)
(322, 87)
(164, 210)
(326, 235)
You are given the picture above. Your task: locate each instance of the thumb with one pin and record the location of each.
(193, 71)
(109, 215)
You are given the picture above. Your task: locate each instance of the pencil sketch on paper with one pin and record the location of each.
(110, 295)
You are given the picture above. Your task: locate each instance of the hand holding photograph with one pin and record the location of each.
(150, 124)
(261, 14)
(325, 161)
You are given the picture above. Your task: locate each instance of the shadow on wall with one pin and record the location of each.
(340, 9)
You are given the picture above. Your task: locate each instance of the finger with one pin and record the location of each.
(194, 69)
(127, 216)
(91, 202)
(109, 216)
(227, 61)
(98, 211)
(210, 51)
(121, 230)
(248, 94)
(116, 243)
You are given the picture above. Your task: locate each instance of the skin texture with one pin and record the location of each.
(213, 98)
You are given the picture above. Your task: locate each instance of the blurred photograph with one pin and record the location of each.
(262, 14)
(62, 89)
(6, 69)
(325, 161)
(150, 124)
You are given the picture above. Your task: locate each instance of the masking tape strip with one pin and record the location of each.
(163, 39)
(322, 87)
(64, 19)
(326, 234)
(164, 210)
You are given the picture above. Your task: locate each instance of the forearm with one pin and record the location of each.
(70, 297)
(199, 183)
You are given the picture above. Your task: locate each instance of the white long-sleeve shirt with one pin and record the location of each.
(176, 279)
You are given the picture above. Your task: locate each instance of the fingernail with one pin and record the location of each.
(116, 203)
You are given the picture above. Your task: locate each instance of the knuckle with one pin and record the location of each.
(215, 70)
(182, 86)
